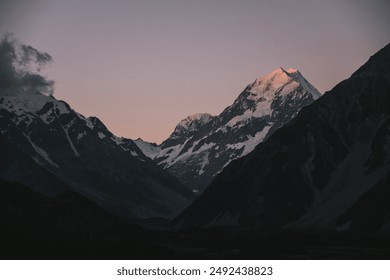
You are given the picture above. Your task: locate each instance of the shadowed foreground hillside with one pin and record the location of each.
(69, 226)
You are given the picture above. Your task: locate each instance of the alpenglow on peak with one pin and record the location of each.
(280, 82)
(201, 145)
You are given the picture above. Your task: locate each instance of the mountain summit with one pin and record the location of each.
(202, 145)
(280, 82)
(328, 169)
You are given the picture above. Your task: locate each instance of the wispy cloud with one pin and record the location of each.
(21, 65)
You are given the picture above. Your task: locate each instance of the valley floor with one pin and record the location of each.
(34, 226)
(209, 244)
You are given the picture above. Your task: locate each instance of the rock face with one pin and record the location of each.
(202, 145)
(48, 146)
(329, 168)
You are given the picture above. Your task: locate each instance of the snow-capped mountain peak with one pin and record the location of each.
(328, 169)
(196, 119)
(202, 145)
(292, 70)
(25, 101)
(191, 123)
(279, 82)
(52, 148)
(295, 75)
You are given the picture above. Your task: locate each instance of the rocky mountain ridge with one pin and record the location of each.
(48, 146)
(202, 145)
(328, 169)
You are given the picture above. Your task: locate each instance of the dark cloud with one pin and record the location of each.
(20, 67)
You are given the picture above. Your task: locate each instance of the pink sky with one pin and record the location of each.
(142, 66)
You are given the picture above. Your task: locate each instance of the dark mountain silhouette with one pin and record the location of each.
(48, 146)
(69, 226)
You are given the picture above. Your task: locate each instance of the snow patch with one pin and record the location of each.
(191, 152)
(263, 108)
(117, 140)
(134, 154)
(149, 149)
(89, 123)
(81, 135)
(70, 141)
(62, 107)
(21, 101)
(47, 117)
(297, 76)
(191, 122)
(41, 152)
(250, 144)
(204, 163)
(171, 153)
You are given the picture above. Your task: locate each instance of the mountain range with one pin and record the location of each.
(202, 145)
(48, 146)
(283, 162)
(327, 169)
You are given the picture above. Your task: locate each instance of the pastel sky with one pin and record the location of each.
(143, 65)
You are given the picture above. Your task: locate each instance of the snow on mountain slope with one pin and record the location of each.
(149, 149)
(48, 146)
(202, 145)
(191, 123)
(328, 169)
